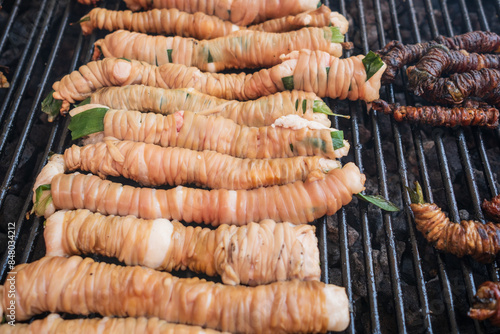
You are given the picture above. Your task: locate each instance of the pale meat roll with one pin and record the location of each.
(253, 254)
(320, 17)
(311, 71)
(240, 50)
(54, 324)
(82, 286)
(158, 21)
(240, 12)
(153, 165)
(298, 202)
(219, 134)
(261, 112)
(202, 26)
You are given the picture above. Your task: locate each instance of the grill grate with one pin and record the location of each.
(425, 290)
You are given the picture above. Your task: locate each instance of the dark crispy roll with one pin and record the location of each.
(485, 304)
(486, 116)
(395, 54)
(458, 87)
(440, 60)
(492, 208)
(481, 241)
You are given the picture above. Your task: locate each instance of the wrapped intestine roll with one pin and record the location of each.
(82, 286)
(257, 253)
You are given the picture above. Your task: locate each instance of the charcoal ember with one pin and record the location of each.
(358, 275)
(464, 214)
(407, 269)
(336, 276)
(333, 232)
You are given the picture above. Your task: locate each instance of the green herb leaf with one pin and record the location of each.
(327, 70)
(319, 4)
(84, 102)
(288, 82)
(40, 190)
(337, 36)
(122, 58)
(291, 147)
(87, 122)
(304, 106)
(321, 107)
(210, 58)
(51, 106)
(169, 53)
(83, 19)
(372, 63)
(416, 196)
(379, 201)
(297, 105)
(40, 204)
(337, 139)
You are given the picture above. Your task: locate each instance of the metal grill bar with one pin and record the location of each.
(10, 22)
(17, 73)
(34, 108)
(422, 291)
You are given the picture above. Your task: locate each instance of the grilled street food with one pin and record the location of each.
(486, 116)
(152, 165)
(298, 202)
(240, 12)
(440, 60)
(158, 21)
(396, 54)
(240, 50)
(289, 136)
(492, 208)
(465, 238)
(4, 83)
(54, 324)
(261, 112)
(459, 87)
(355, 78)
(486, 303)
(202, 26)
(474, 75)
(82, 286)
(254, 254)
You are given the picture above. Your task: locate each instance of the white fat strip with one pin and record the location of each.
(322, 119)
(102, 325)
(233, 196)
(337, 307)
(93, 138)
(178, 197)
(327, 165)
(53, 234)
(80, 109)
(211, 67)
(295, 122)
(310, 256)
(158, 243)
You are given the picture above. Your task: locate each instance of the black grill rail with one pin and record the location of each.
(395, 280)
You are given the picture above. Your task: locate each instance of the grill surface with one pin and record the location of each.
(395, 280)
